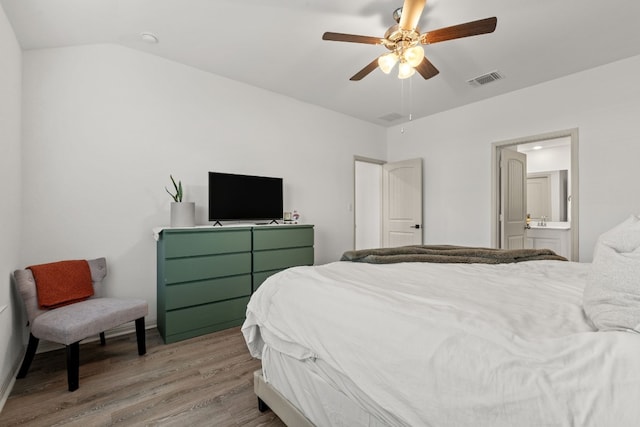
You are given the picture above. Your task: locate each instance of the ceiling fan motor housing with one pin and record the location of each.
(397, 39)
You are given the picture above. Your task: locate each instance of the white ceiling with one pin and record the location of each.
(276, 44)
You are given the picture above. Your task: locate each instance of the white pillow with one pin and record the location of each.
(624, 237)
(611, 298)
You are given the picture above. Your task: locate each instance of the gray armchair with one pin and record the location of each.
(72, 323)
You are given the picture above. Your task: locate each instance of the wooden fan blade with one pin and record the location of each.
(426, 69)
(473, 28)
(352, 38)
(411, 11)
(365, 71)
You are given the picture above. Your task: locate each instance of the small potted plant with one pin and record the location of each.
(183, 214)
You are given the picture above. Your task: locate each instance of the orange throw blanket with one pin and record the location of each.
(62, 283)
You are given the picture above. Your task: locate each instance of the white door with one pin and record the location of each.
(513, 199)
(402, 203)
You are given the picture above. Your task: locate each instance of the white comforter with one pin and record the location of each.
(455, 344)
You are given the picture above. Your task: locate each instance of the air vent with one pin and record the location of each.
(485, 79)
(391, 117)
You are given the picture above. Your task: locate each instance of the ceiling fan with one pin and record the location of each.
(404, 41)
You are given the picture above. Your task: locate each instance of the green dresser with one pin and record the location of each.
(205, 276)
(277, 248)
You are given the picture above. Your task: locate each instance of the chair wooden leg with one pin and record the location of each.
(103, 341)
(28, 356)
(140, 335)
(73, 366)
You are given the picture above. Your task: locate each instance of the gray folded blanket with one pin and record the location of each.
(448, 254)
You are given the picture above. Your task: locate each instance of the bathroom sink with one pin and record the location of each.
(551, 225)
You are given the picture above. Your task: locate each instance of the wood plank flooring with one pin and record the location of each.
(204, 381)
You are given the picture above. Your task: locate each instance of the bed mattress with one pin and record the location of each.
(449, 344)
(324, 396)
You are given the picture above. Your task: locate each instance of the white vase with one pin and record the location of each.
(183, 214)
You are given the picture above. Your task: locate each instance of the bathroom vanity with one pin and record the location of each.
(554, 235)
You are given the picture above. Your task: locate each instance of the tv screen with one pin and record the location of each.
(244, 197)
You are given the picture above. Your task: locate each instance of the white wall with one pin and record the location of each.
(104, 126)
(11, 317)
(603, 103)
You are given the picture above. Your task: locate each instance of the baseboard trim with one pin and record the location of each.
(8, 382)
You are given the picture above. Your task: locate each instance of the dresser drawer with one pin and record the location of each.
(180, 243)
(205, 316)
(282, 258)
(260, 277)
(206, 267)
(282, 237)
(206, 291)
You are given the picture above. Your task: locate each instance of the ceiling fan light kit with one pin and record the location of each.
(405, 70)
(404, 40)
(414, 55)
(387, 61)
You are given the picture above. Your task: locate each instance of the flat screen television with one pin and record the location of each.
(244, 197)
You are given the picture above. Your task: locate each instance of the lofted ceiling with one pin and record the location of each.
(276, 44)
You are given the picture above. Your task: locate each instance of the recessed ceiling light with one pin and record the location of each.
(538, 147)
(149, 38)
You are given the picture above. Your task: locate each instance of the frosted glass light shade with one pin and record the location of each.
(387, 61)
(405, 70)
(414, 55)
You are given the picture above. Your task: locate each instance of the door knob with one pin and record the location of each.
(415, 226)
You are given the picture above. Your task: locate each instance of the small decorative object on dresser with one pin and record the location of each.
(183, 214)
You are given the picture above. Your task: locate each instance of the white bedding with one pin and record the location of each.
(454, 344)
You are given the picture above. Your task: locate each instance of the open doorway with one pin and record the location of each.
(368, 203)
(548, 156)
(388, 203)
(548, 179)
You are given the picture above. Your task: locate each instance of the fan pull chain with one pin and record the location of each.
(410, 97)
(402, 102)
(410, 101)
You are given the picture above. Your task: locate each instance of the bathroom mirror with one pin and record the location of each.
(547, 195)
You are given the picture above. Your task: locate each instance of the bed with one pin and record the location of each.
(443, 344)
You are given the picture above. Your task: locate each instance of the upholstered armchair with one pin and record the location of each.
(70, 322)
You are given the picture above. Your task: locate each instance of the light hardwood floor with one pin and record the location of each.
(204, 381)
